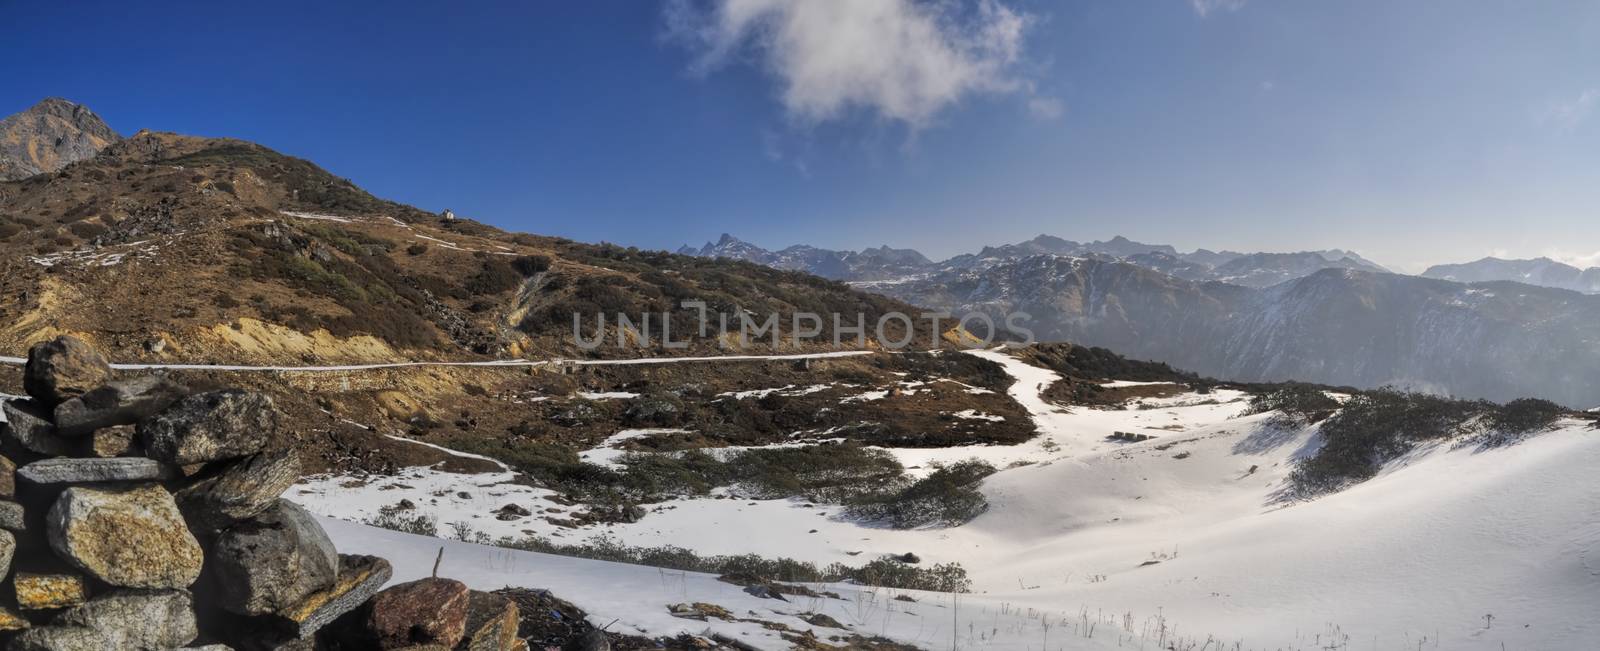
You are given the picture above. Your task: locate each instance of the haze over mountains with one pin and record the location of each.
(1317, 316)
(886, 264)
(1543, 272)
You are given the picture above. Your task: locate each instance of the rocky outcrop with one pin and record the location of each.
(48, 137)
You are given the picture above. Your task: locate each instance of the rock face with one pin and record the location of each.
(28, 426)
(138, 619)
(213, 426)
(272, 561)
(48, 136)
(491, 623)
(360, 577)
(128, 537)
(241, 490)
(49, 591)
(428, 611)
(63, 368)
(61, 638)
(121, 402)
(62, 470)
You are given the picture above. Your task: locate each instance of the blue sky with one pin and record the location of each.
(1413, 132)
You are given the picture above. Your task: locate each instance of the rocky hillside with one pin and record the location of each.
(1336, 326)
(168, 248)
(48, 137)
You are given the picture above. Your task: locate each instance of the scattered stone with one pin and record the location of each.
(119, 402)
(360, 577)
(109, 442)
(138, 619)
(28, 425)
(45, 591)
(492, 622)
(64, 470)
(213, 426)
(907, 558)
(512, 512)
(427, 611)
(131, 537)
(242, 490)
(819, 619)
(63, 368)
(60, 638)
(11, 621)
(12, 517)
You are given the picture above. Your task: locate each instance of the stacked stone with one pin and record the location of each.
(136, 515)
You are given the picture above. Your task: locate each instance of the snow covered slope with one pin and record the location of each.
(1182, 540)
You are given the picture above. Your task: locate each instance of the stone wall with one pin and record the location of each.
(135, 514)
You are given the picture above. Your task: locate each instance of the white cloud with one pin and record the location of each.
(902, 60)
(1570, 113)
(1046, 108)
(1579, 260)
(1208, 7)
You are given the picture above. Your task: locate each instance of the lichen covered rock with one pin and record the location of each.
(131, 537)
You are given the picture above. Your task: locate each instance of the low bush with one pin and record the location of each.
(947, 497)
(883, 572)
(1299, 404)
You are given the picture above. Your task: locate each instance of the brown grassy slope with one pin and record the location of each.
(187, 241)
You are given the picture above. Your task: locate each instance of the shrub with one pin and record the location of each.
(1374, 427)
(529, 265)
(494, 277)
(1299, 404)
(948, 497)
(944, 577)
(395, 518)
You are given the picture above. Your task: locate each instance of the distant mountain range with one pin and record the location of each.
(883, 264)
(1340, 326)
(1318, 316)
(1543, 272)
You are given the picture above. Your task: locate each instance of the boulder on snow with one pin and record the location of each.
(272, 561)
(427, 611)
(131, 537)
(119, 402)
(213, 426)
(63, 368)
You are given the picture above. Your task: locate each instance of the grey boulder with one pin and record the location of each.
(63, 368)
(64, 470)
(138, 620)
(120, 402)
(212, 426)
(272, 561)
(243, 489)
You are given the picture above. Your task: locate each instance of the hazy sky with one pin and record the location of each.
(1412, 132)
